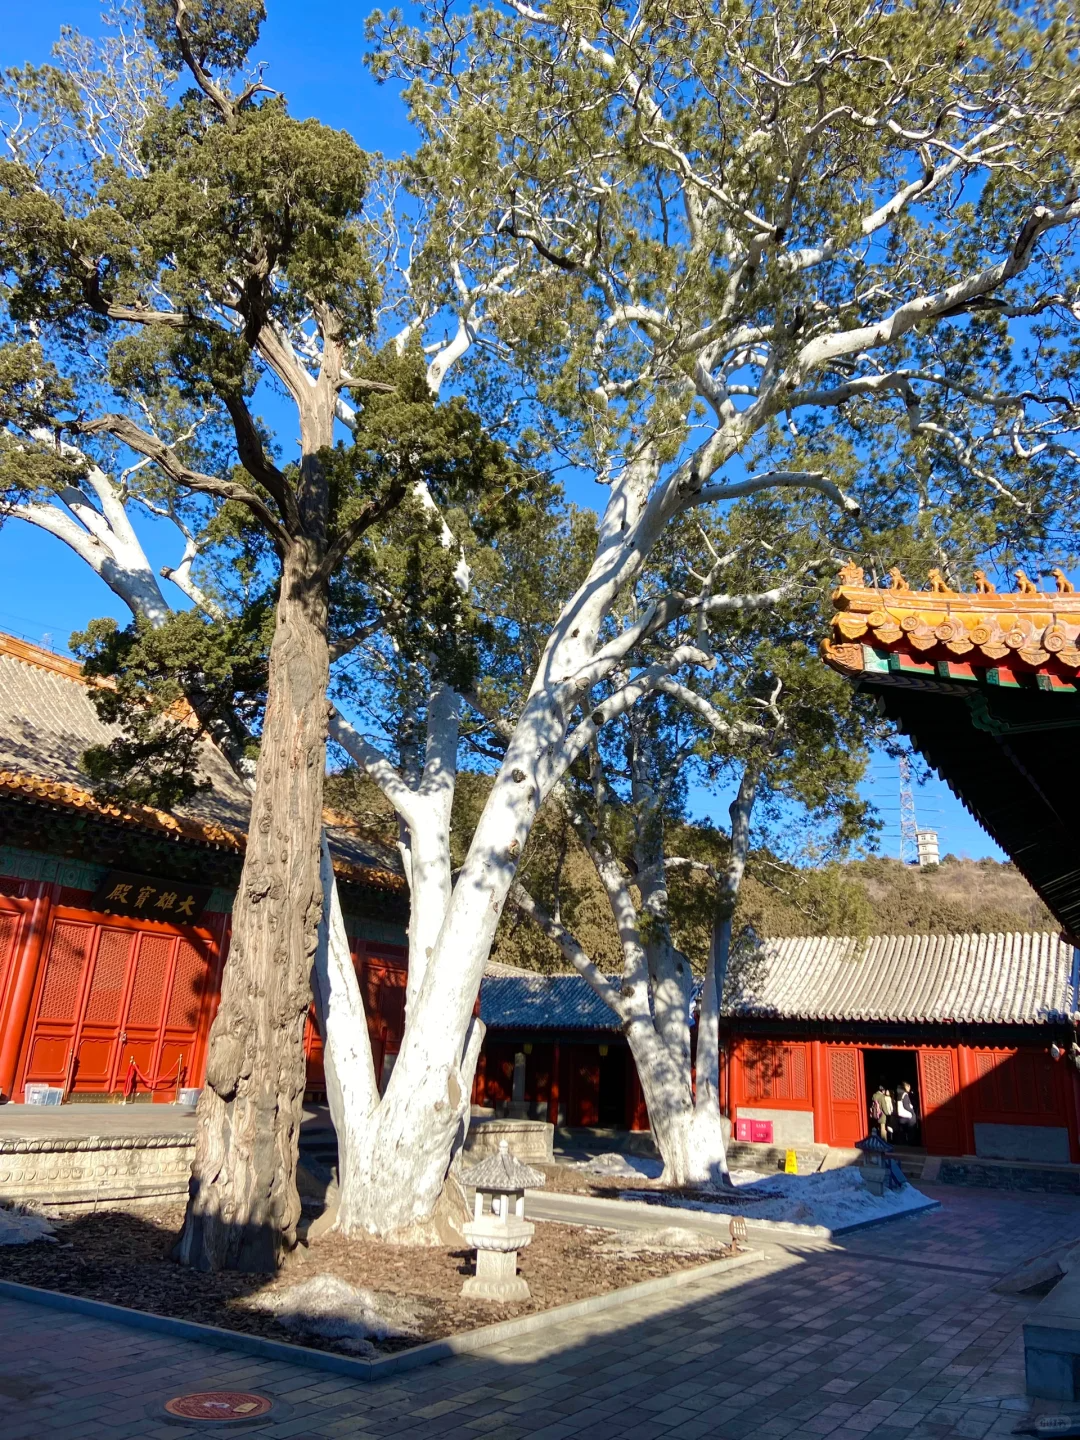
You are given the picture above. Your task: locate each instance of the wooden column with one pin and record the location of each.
(26, 964)
(1071, 1081)
(819, 1093)
(480, 1081)
(734, 1082)
(965, 1062)
(553, 1093)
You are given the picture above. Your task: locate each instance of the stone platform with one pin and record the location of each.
(526, 1139)
(84, 1156)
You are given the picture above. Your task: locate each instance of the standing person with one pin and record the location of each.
(881, 1107)
(906, 1116)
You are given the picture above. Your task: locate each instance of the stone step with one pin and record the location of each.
(745, 1155)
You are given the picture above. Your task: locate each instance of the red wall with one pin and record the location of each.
(83, 994)
(959, 1086)
(85, 997)
(560, 1075)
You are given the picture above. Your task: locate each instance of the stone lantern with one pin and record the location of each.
(498, 1229)
(876, 1166)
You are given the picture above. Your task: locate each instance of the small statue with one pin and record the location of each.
(982, 584)
(1024, 586)
(937, 583)
(1063, 583)
(853, 575)
(896, 580)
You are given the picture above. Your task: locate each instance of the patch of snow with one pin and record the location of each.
(817, 1204)
(19, 1227)
(332, 1309)
(620, 1167)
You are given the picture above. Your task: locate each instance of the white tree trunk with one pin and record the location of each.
(688, 1134)
(708, 1044)
(400, 1179)
(406, 1152)
(351, 1090)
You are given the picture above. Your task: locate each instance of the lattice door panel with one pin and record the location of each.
(847, 1119)
(843, 1071)
(112, 992)
(69, 952)
(188, 987)
(939, 1098)
(110, 977)
(64, 966)
(151, 978)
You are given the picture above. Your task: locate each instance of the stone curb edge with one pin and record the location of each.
(719, 1220)
(72, 1144)
(367, 1370)
(887, 1219)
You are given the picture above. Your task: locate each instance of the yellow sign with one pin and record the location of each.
(791, 1165)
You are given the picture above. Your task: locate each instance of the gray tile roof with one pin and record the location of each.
(543, 1002)
(47, 721)
(1028, 978)
(1024, 978)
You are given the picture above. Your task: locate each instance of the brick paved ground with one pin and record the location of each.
(894, 1334)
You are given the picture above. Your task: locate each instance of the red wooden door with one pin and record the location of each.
(584, 1106)
(112, 991)
(846, 1094)
(939, 1098)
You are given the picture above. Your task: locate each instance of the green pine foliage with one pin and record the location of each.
(872, 896)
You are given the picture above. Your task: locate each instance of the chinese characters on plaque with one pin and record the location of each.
(173, 900)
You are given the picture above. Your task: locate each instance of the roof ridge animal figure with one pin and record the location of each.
(852, 575)
(1063, 583)
(1024, 586)
(982, 584)
(937, 583)
(896, 580)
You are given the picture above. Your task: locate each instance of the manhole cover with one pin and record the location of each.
(219, 1405)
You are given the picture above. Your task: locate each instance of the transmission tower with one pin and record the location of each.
(909, 829)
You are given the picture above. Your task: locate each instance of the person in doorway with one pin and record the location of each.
(906, 1118)
(881, 1108)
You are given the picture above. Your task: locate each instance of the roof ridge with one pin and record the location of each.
(208, 832)
(913, 935)
(31, 654)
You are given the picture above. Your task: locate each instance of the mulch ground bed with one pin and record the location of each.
(123, 1258)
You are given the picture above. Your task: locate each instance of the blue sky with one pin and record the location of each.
(314, 52)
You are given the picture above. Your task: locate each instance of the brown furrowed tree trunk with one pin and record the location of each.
(243, 1205)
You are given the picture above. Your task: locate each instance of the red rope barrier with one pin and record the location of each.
(135, 1075)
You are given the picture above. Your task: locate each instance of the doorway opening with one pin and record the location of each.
(612, 1098)
(888, 1070)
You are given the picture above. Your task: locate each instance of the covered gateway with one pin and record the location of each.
(980, 1026)
(553, 1051)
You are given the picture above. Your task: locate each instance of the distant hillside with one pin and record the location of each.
(863, 897)
(884, 897)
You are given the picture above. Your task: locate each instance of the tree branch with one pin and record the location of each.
(569, 946)
(168, 461)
